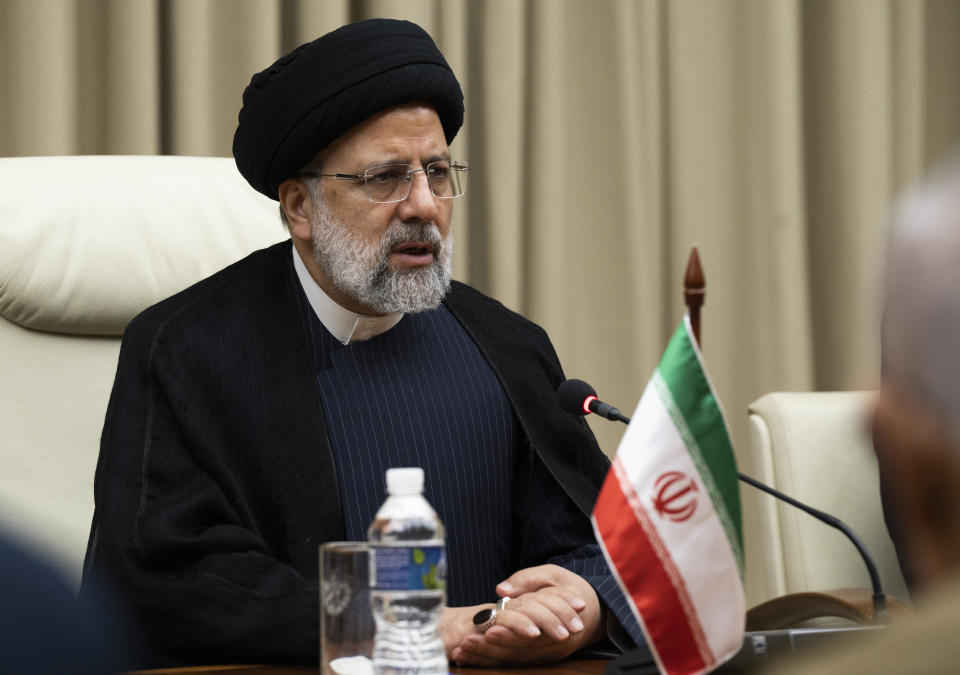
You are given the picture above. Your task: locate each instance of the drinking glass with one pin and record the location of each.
(346, 621)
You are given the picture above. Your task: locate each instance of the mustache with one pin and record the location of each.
(406, 233)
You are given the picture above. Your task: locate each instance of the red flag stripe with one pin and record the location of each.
(650, 577)
(663, 554)
(666, 559)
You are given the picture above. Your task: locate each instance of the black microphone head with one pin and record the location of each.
(573, 395)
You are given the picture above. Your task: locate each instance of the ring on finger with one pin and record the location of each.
(502, 602)
(485, 619)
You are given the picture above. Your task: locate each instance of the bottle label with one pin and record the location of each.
(408, 568)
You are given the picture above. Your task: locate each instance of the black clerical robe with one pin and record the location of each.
(216, 482)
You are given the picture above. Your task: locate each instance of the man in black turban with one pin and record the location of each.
(254, 414)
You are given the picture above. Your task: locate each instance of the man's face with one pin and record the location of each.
(380, 258)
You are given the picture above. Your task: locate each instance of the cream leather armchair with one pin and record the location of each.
(815, 447)
(85, 244)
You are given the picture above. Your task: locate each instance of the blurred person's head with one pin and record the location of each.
(917, 420)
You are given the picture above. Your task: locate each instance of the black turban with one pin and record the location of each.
(314, 94)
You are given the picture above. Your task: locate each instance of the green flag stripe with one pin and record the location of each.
(690, 391)
(697, 456)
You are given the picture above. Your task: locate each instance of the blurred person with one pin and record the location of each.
(917, 421)
(46, 630)
(916, 429)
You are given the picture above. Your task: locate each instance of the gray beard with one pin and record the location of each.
(362, 270)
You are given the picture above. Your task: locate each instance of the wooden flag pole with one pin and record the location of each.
(694, 291)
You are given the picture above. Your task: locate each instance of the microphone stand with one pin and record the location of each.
(879, 599)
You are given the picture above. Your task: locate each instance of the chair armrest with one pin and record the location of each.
(788, 611)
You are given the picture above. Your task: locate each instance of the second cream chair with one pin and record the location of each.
(816, 448)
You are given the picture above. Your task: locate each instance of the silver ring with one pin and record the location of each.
(502, 602)
(485, 619)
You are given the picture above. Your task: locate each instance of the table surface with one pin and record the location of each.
(572, 667)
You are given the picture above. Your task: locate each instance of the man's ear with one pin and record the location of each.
(294, 196)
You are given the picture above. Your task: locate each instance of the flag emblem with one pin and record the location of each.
(676, 496)
(668, 517)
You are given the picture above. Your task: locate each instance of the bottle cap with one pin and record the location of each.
(405, 481)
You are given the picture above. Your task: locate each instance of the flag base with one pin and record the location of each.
(759, 648)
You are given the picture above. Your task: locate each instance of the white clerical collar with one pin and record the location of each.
(343, 324)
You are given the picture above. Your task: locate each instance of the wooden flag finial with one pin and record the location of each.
(694, 291)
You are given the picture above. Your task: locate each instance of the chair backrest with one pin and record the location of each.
(85, 244)
(815, 447)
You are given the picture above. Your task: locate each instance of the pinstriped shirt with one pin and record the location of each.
(421, 394)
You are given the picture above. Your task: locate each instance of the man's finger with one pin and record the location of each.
(510, 639)
(477, 651)
(550, 611)
(540, 612)
(567, 595)
(560, 608)
(528, 580)
(517, 622)
(463, 657)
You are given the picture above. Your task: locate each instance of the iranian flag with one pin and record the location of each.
(668, 517)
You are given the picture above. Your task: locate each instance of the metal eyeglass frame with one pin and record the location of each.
(459, 167)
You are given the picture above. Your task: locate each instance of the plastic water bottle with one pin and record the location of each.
(408, 570)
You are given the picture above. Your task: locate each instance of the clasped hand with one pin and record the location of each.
(552, 613)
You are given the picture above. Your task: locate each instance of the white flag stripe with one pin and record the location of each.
(693, 447)
(699, 546)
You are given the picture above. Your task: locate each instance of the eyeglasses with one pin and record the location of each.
(389, 183)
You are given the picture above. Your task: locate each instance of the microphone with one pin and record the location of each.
(579, 398)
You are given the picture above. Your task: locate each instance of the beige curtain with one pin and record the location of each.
(607, 136)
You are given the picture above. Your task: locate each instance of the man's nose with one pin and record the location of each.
(420, 204)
